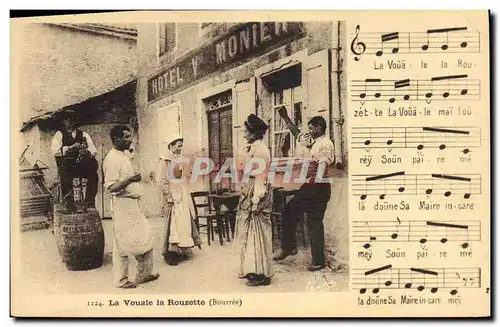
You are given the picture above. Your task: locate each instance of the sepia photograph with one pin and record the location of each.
(178, 157)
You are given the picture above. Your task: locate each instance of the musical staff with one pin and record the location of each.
(442, 40)
(416, 231)
(419, 138)
(416, 236)
(400, 183)
(432, 279)
(450, 87)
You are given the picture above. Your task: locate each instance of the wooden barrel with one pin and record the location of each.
(80, 239)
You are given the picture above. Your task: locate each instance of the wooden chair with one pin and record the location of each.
(209, 215)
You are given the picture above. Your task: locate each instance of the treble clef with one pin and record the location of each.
(358, 48)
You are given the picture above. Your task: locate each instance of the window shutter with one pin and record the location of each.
(317, 88)
(169, 122)
(161, 39)
(243, 105)
(170, 36)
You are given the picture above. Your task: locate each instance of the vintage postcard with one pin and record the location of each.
(251, 164)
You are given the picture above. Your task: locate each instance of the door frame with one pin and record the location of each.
(202, 112)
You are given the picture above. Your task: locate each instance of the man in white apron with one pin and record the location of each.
(131, 230)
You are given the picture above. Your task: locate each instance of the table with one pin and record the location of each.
(230, 201)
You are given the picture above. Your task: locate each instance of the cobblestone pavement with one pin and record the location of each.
(210, 270)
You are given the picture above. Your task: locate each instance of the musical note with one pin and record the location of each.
(450, 87)
(443, 84)
(384, 177)
(387, 38)
(445, 133)
(453, 178)
(425, 272)
(449, 40)
(447, 226)
(405, 84)
(358, 48)
(370, 83)
(434, 279)
(371, 238)
(465, 137)
(377, 272)
(387, 231)
(369, 138)
(395, 235)
(400, 183)
(444, 41)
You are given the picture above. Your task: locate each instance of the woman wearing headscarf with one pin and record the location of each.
(253, 221)
(181, 233)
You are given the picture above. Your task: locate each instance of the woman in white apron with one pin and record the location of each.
(181, 233)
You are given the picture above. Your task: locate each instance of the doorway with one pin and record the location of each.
(220, 135)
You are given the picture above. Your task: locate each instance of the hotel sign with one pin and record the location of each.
(243, 41)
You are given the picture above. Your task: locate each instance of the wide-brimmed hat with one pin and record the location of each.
(67, 115)
(255, 124)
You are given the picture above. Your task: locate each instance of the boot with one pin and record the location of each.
(282, 254)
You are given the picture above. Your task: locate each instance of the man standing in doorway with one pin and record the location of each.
(312, 198)
(131, 231)
(75, 153)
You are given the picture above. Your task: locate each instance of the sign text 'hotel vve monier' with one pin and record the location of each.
(244, 41)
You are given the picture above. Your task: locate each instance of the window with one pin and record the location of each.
(168, 37)
(291, 98)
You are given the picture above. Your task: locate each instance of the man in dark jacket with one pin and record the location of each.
(75, 153)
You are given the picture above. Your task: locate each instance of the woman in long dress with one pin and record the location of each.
(181, 233)
(253, 220)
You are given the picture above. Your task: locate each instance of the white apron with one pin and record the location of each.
(130, 226)
(180, 222)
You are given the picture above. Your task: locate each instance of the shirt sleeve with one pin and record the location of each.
(162, 181)
(326, 153)
(57, 144)
(90, 143)
(112, 170)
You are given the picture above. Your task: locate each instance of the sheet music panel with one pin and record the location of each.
(419, 163)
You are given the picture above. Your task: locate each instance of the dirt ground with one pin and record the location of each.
(211, 270)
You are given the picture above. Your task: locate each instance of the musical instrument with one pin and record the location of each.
(83, 152)
(305, 138)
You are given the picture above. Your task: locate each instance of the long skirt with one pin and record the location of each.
(253, 240)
